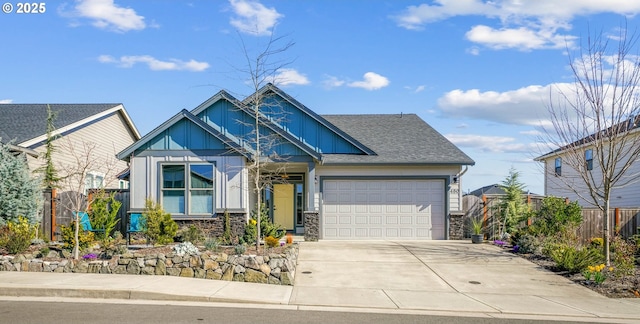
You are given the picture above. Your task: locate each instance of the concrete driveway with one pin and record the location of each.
(439, 275)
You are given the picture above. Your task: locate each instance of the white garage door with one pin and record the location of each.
(383, 209)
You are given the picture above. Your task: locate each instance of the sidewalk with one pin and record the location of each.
(431, 278)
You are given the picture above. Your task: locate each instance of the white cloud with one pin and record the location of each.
(105, 14)
(463, 125)
(6, 101)
(524, 25)
(332, 82)
(253, 18)
(372, 81)
(417, 89)
(524, 106)
(491, 144)
(287, 77)
(155, 64)
(521, 38)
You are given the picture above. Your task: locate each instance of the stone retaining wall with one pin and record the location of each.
(277, 269)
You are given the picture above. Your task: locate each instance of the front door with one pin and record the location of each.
(283, 206)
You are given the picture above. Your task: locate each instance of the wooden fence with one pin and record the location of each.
(57, 211)
(626, 221)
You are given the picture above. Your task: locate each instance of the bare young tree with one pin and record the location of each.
(595, 123)
(263, 68)
(83, 159)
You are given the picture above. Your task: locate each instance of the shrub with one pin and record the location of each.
(104, 214)
(212, 244)
(240, 249)
(623, 256)
(574, 259)
(267, 227)
(85, 237)
(185, 248)
(555, 216)
(158, 225)
(193, 233)
(18, 234)
(271, 241)
(21, 194)
(528, 243)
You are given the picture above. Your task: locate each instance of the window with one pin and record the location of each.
(588, 157)
(558, 166)
(192, 195)
(93, 180)
(123, 184)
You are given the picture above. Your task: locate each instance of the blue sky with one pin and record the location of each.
(480, 72)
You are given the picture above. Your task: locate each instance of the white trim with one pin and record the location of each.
(82, 122)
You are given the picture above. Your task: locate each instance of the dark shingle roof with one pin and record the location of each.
(396, 139)
(22, 122)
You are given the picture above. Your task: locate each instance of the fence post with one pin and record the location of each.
(529, 204)
(485, 210)
(54, 208)
(616, 225)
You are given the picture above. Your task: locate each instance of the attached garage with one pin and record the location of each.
(411, 209)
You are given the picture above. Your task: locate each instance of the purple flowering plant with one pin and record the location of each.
(499, 243)
(90, 256)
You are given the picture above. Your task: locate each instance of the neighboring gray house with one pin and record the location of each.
(105, 126)
(367, 176)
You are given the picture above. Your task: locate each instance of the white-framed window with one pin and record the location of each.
(188, 188)
(588, 157)
(93, 180)
(123, 184)
(558, 164)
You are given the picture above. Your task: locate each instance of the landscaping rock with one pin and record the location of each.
(255, 276)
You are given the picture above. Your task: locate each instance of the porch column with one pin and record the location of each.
(311, 186)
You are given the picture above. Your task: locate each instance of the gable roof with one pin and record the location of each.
(495, 190)
(632, 124)
(396, 139)
(183, 114)
(272, 88)
(26, 124)
(263, 120)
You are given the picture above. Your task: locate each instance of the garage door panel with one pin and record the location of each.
(393, 220)
(381, 209)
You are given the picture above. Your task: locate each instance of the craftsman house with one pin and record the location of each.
(364, 176)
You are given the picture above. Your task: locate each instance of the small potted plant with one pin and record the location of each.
(476, 227)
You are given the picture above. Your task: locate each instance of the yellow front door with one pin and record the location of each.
(283, 205)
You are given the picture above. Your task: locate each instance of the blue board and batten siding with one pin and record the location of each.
(306, 128)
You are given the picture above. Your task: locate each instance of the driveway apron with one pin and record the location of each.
(434, 275)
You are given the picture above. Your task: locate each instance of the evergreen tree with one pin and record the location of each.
(48, 171)
(20, 194)
(513, 208)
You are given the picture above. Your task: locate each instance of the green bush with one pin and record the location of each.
(104, 214)
(623, 256)
(267, 227)
(86, 238)
(20, 193)
(528, 243)
(555, 216)
(191, 233)
(158, 225)
(574, 259)
(212, 244)
(17, 235)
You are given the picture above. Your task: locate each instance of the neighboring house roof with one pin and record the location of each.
(494, 190)
(396, 139)
(26, 124)
(631, 124)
